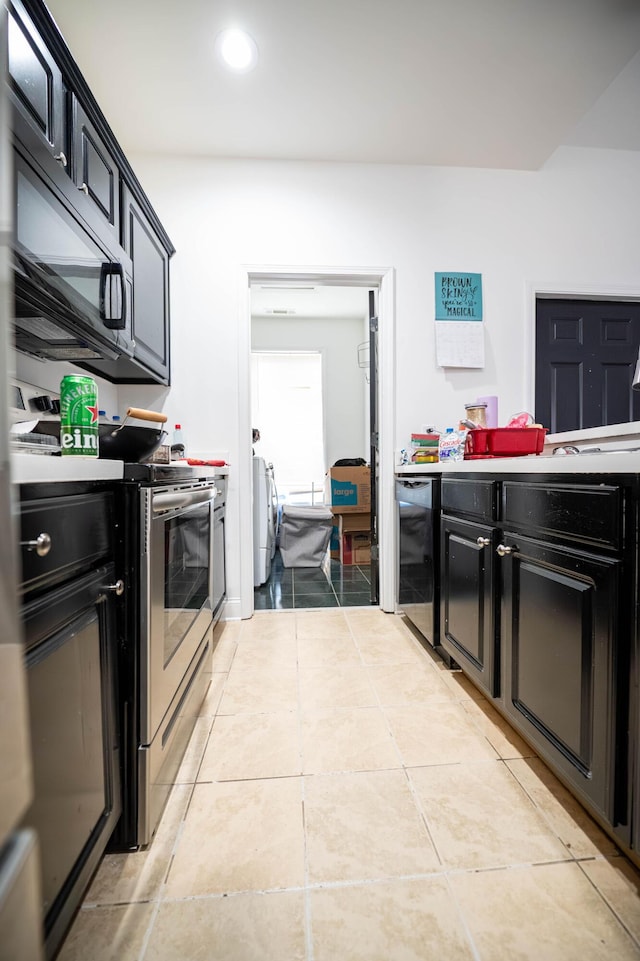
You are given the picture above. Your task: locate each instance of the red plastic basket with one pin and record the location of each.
(504, 441)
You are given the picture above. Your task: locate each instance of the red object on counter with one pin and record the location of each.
(196, 462)
(504, 442)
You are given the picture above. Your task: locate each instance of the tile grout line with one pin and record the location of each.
(308, 930)
(602, 897)
(403, 767)
(147, 937)
(461, 917)
(307, 889)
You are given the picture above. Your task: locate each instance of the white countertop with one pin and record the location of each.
(40, 468)
(613, 433)
(605, 462)
(45, 468)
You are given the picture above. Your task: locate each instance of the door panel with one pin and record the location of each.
(468, 608)
(586, 353)
(559, 633)
(373, 425)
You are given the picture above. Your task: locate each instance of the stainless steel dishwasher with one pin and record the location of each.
(418, 501)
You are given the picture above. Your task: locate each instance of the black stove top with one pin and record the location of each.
(161, 473)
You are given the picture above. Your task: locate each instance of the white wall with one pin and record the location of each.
(48, 374)
(573, 225)
(343, 398)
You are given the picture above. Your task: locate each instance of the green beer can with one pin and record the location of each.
(78, 416)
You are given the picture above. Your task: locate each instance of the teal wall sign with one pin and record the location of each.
(458, 296)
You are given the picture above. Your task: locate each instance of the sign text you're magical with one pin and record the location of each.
(458, 296)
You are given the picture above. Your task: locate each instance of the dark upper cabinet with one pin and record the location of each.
(36, 81)
(59, 126)
(150, 296)
(95, 172)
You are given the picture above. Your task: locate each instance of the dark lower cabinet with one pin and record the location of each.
(69, 595)
(559, 637)
(539, 587)
(468, 599)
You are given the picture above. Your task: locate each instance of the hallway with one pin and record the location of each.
(296, 588)
(346, 798)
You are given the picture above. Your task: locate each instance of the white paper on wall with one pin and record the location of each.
(459, 343)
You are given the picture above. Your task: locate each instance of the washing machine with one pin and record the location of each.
(265, 519)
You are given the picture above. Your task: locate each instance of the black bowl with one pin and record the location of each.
(132, 444)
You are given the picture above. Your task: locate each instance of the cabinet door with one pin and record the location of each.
(95, 172)
(150, 323)
(36, 83)
(71, 639)
(468, 622)
(559, 632)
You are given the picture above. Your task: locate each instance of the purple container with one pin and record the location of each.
(491, 413)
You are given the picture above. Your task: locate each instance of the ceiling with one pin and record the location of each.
(471, 83)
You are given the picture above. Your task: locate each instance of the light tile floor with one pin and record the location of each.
(345, 798)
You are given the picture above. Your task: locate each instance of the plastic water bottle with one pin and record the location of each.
(177, 444)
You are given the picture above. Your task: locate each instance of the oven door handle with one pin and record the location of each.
(173, 500)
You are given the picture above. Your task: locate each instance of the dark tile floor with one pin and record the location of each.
(331, 585)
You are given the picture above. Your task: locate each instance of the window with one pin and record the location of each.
(286, 407)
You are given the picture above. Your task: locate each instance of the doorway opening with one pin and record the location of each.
(310, 405)
(348, 281)
(288, 412)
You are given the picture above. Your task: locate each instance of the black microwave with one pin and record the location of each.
(72, 291)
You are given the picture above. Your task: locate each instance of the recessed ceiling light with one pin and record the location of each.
(238, 50)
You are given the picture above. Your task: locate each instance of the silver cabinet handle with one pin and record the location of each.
(85, 190)
(501, 549)
(117, 588)
(483, 541)
(61, 158)
(41, 545)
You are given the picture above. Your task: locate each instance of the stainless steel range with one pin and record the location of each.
(168, 611)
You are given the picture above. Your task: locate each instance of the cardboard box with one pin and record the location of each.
(344, 524)
(348, 489)
(355, 548)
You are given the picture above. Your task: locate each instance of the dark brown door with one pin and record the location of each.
(586, 354)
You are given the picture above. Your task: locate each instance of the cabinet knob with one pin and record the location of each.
(502, 550)
(41, 545)
(61, 158)
(117, 588)
(85, 190)
(483, 541)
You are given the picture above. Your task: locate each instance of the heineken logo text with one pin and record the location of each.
(77, 439)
